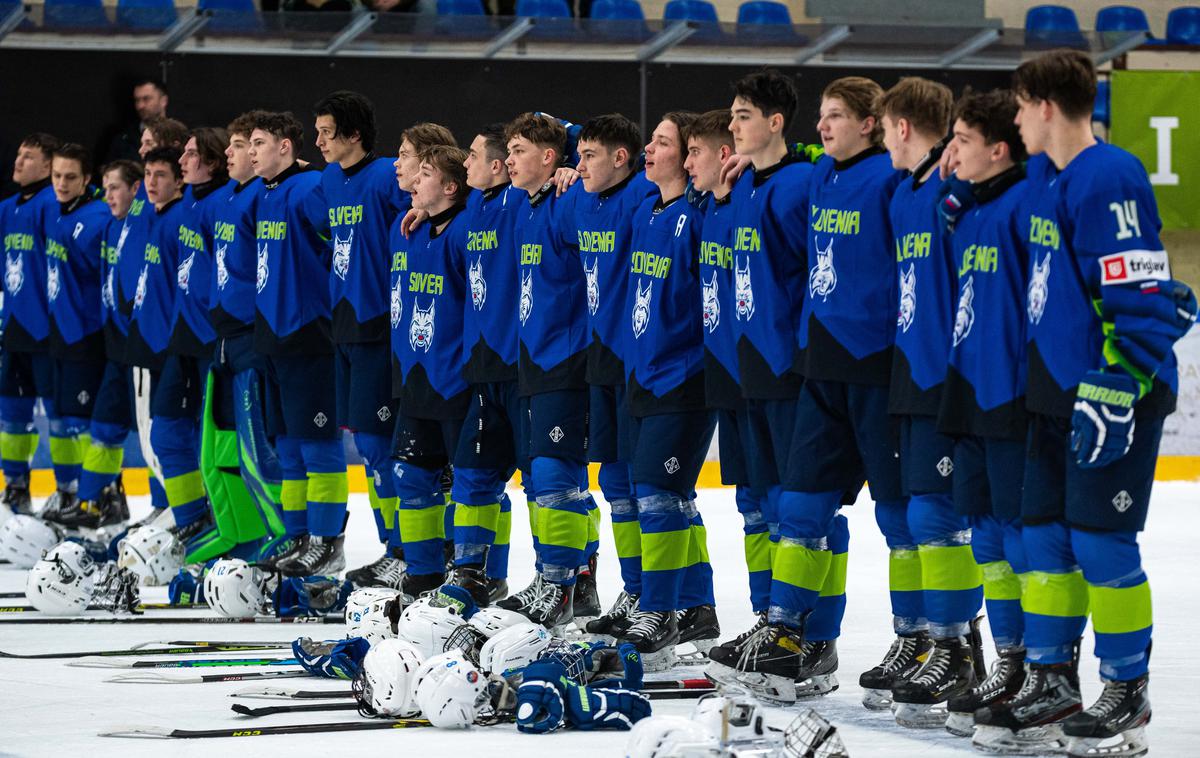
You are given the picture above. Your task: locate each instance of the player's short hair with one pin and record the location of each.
(244, 124)
(211, 142)
(1066, 78)
(425, 135)
(992, 114)
(923, 103)
(281, 126)
(168, 132)
(158, 84)
(130, 171)
(771, 92)
(859, 94)
(449, 159)
(47, 143)
(493, 137)
(352, 114)
(168, 155)
(614, 131)
(540, 129)
(75, 152)
(712, 127)
(683, 121)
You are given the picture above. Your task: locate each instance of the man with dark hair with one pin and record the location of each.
(1103, 313)
(26, 372)
(150, 100)
(608, 150)
(292, 328)
(358, 201)
(163, 132)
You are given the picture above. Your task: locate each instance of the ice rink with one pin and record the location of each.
(47, 708)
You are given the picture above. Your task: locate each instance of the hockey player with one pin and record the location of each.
(983, 403)
(672, 428)
(1103, 313)
(608, 149)
(428, 297)
(361, 200)
(915, 115)
(770, 203)
(292, 328)
(552, 318)
(26, 372)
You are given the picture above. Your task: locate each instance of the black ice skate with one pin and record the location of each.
(1030, 723)
(188, 532)
(1115, 725)
(1004, 681)
(552, 607)
(16, 499)
(385, 571)
(948, 671)
(699, 631)
(471, 579)
(587, 598)
(614, 622)
(93, 514)
(280, 552)
(818, 669)
(655, 634)
(416, 585)
(524, 597)
(497, 589)
(770, 663)
(722, 665)
(904, 657)
(58, 504)
(320, 556)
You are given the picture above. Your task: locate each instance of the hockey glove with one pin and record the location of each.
(332, 659)
(548, 698)
(311, 595)
(607, 666)
(955, 197)
(186, 588)
(1102, 424)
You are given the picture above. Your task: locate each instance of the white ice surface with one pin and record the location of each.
(49, 709)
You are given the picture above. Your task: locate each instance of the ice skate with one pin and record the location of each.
(655, 634)
(722, 665)
(543, 603)
(616, 620)
(948, 671)
(770, 664)
(699, 631)
(1115, 725)
(1004, 681)
(471, 579)
(1030, 723)
(384, 571)
(320, 556)
(16, 499)
(57, 505)
(93, 514)
(904, 657)
(587, 598)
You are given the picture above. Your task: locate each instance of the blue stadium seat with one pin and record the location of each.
(460, 8)
(617, 10)
(231, 16)
(1102, 111)
(1122, 18)
(543, 8)
(146, 14)
(691, 10)
(1183, 26)
(764, 12)
(1053, 25)
(74, 13)
(236, 6)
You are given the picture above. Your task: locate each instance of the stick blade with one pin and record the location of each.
(143, 732)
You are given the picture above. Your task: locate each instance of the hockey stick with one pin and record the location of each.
(153, 677)
(215, 647)
(191, 663)
(271, 710)
(700, 686)
(171, 620)
(156, 732)
(138, 608)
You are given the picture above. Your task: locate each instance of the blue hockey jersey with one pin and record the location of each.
(849, 322)
(154, 294)
(355, 209)
(928, 285)
(74, 248)
(493, 276)
(665, 333)
(1095, 261)
(771, 212)
(235, 260)
(192, 332)
(604, 222)
(292, 272)
(984, 394)
(552, 307)
(429, 294)
(27, 325)
(721, 388)
(116, 324)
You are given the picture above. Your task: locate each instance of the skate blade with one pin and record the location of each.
(960, 724)
(776, 690)
(661, 660)
(920, 715)
(1036, 740)
(877, 700)
(1127, 744)
(816, 686)
(721, 674)
(582, 621)
(696, 648)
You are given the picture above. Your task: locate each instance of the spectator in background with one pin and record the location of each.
(150, 100)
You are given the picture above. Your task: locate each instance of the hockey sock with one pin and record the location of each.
(562, 518)
(665, 522)
(328, 488)
(421, 518)
(293, 491)
(375, 450)
(952, 585)
(756, 544)
(257, 457)
(802, 556)
(497, 557)
(904, 566)
(697, 588)
(174, 442)
(825, 623)
(1055, 600)
(68, 441)
(18, 438)
(103, 458)
(618, 492)
(1001, 584)
(1119, 594)
(476, 494)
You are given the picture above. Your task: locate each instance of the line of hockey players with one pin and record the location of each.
(913, 336)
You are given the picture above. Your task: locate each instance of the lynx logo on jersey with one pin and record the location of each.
(184, 275)
(965, 318)
(743, 292)
(262, 272)
(222, 272)
(526, 296)
(108, 296)
(822, 280)
(52, 283)
(139, 294)
(478, 283)
(397, 303)
(593, 285)
(420, 329)
(908, 297)
(641, 308)
(14, 273)
(341, 254)
(712, 307)
(1039, 290)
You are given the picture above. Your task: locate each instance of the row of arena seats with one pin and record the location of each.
(1058, 24)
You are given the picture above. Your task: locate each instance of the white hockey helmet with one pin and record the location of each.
(235, 589)
(670, 737)
(450, 690)
(730, 717)
(428, 626)
(492, 619)
(386, 684)
(514, 648)
(61, 584)
(25, 539)
(368, 613)
(154, 554)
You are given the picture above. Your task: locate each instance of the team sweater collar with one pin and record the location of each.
(366, 161)
(443, 218)
(288, 173)
(871, 151)
(29, 190)
(491, 193)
